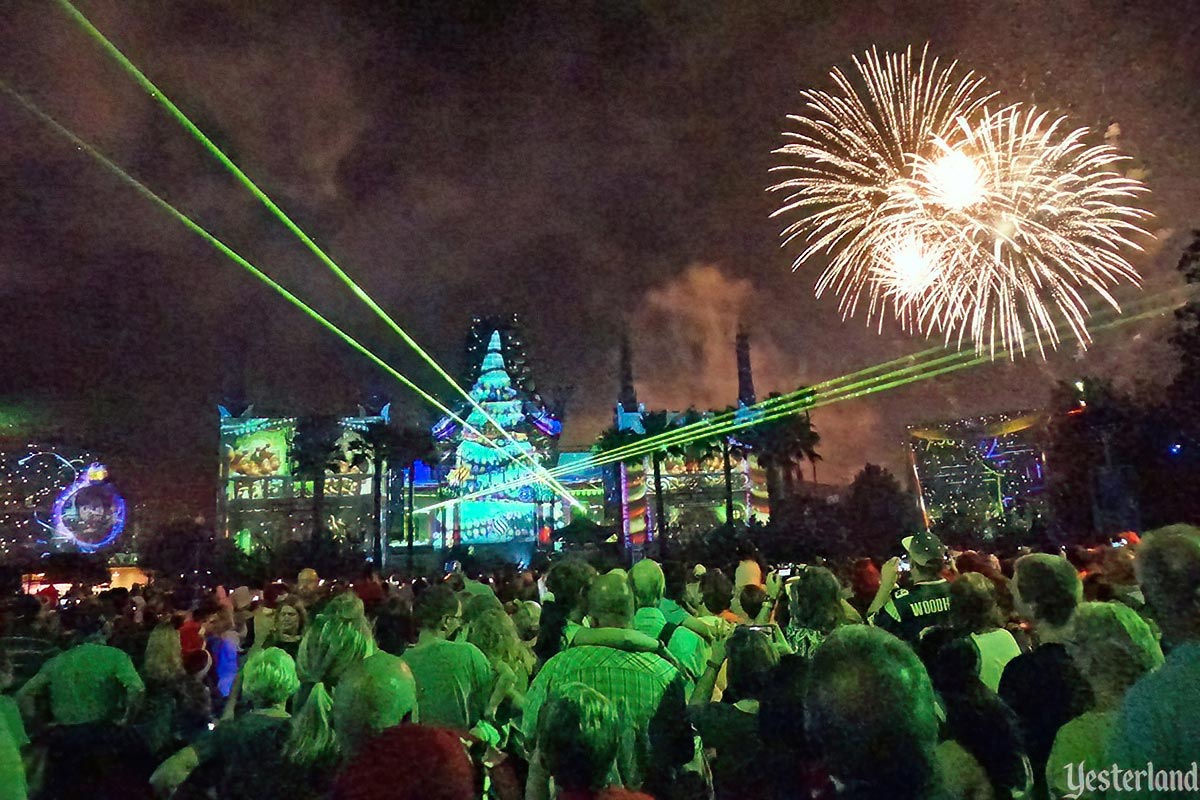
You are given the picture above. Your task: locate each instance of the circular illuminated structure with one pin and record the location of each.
(90, 513)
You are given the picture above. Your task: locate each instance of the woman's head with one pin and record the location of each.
(578, 736)
(717, 591)
(752, 659)
(164, 654)
(973, 606)
(339, 637)
(290, 617)
(494, 633)
(269, 678)
(1112, 646)
(814, 600)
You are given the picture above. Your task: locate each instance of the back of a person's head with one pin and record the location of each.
(814, 599)
(163, 661)
(717, 591)
(951, 660)
(339, 637)
(648, 583)
(481, 603)
(752, 599)
(675, 577)
(494, 633)
(409, 762)
(864, 578)
(871, 711)
(1112, 644)
(1168, 569)
(578, 735)
(610, 600)
(569, 579)
(1049, 586)
(269, 678)
(746, 550)
(973, 604)
(375, 694)
(434, 605)
(752, 661)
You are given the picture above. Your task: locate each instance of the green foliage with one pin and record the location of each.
(878, 513)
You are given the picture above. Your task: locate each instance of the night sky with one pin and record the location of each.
(587, 165)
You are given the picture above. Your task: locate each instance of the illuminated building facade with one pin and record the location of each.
(981, 470)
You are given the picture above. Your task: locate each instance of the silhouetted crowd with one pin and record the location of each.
(935, 675)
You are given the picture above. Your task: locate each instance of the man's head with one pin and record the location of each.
(973, 606)
(871, 710)
(373, 695)
(1046, 588)
(438, 610)
(1168, 569)
(568, 581)
(752, 661)
(610, 601)
(716, 591)
(578, 736)
(647, 582)
(752, 599)
(927, 554)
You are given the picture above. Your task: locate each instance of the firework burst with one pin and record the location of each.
(988, 225)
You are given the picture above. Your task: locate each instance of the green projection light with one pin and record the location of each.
(279, 214)
(196, 228)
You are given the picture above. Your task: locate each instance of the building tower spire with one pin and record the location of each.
(627, 395)
(746, 395)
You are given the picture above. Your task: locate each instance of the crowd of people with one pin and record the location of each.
(934, 675)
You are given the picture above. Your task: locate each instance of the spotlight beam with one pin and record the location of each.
(279, 214)
(223, 248)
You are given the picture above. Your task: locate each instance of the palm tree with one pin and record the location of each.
(657, 423)
(383, 445)
(412, 444)
(314, 453)
(782, 445)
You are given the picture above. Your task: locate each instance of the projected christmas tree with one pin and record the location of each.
(510, 514)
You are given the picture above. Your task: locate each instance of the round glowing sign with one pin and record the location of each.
(89, 512)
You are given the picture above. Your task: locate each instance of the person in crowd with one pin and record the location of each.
(1159, 720)
(250, 749)
(647, 582)
(564, 612)
(579, 737)
(176, 708)
(93, 692)
(527, 617)
(1113, 647)
(452, 767)
(749, 570)
(649, 690)
(454, 679)
(13, 739)
(729, 730)
(871, 712)
(814, 609)
(494, 633)
(289, 619)
(308, 588)
(375, 694)
(262, 621)
(1044, 687)
(223, 642)
(908, 611)
(339, 638)
(980, 733)
(864, 580)
(716, 592)
(24, 640)
(975, 615)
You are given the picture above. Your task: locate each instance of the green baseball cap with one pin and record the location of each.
(924, 548)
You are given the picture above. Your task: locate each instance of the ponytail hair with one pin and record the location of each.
(338, 638)
(312, 740)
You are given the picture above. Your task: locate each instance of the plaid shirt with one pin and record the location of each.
(650, 699)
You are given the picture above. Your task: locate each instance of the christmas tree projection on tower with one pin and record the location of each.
(513, 514)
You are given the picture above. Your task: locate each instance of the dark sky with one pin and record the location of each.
(587, 165)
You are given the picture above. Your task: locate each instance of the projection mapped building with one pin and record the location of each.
(978, 469)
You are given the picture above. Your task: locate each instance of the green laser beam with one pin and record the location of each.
(196, 228)
(279, 214)
(891, 380)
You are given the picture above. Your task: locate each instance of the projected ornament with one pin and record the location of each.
(89, 512)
